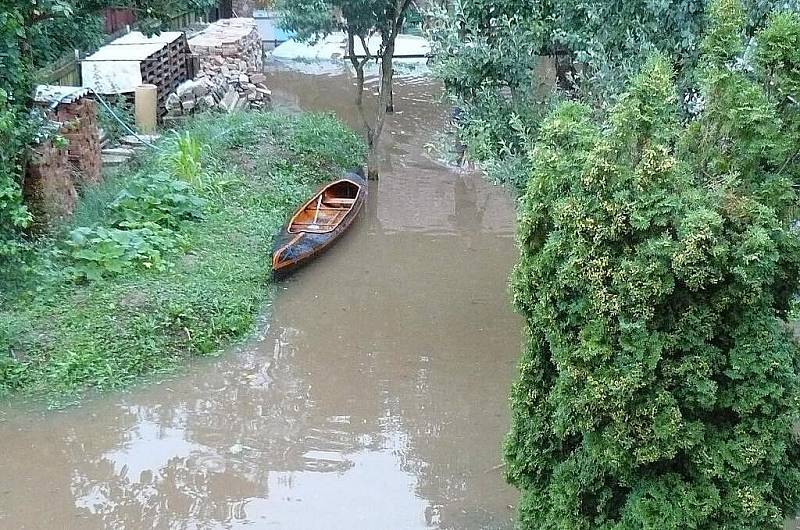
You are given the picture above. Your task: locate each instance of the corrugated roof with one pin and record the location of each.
(59, 94)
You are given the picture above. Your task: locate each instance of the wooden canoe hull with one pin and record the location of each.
(291, 249)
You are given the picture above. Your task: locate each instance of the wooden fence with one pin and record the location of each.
(118, 18)
(66, 71)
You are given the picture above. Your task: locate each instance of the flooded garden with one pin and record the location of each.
(176, 351)
(374, 394)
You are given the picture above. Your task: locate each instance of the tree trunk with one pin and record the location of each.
(372, 162)
(359, 83)
(384, 97)
(357, 65)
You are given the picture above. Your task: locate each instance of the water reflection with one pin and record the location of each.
(375, 399)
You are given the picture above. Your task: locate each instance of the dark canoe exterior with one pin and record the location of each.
(300, 248)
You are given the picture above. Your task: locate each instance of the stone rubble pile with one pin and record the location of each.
(230, 75)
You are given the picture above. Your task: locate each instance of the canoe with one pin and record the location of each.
(317, 224)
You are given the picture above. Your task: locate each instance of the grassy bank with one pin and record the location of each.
(193, 271)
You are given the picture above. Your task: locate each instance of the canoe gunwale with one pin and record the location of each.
(340, 220)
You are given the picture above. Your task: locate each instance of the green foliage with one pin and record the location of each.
(312, 19)
(16, 132)
(59, 37)
(659, 387)
(98, 251)
(158, 199)
(778, 56)
(66, 337)
(186, 159)
(484, 45)
(31, 35)
(485, 51)
(144, 223)
(723, 40)
(511, 170)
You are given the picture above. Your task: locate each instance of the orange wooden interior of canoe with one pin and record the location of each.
(324, 212)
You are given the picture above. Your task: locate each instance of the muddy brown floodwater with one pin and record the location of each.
(375, 397)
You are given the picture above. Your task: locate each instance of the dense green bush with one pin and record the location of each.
(142, 225)
(16, 132)
(660, 386)
(158, 199)
(99, 251)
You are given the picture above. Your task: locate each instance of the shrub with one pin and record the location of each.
(144, 223)
(659, 386)
(157, 199)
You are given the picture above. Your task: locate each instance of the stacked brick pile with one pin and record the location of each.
(81, 130)
(55, 172)
(230, 70)
(49, 190)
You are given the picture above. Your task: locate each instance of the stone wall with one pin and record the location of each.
(230, 74)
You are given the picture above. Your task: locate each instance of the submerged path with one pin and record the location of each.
(374, 399)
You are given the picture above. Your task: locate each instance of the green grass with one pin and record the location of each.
(60, 337)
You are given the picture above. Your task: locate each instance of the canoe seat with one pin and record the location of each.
(338, 200)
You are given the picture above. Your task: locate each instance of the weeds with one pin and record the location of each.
(185, 158)
(123, 109)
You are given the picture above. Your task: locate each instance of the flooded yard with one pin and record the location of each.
(375, 397)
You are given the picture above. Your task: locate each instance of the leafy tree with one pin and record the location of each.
(487, 49)
(358, 19)
(659, 387)
(485, 52)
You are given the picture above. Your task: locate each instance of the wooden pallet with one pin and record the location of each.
(167, 68)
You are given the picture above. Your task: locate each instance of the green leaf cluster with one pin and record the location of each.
(144, 223)
(487, 54)
(102, 251)
(313, 19)
(660, 384)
